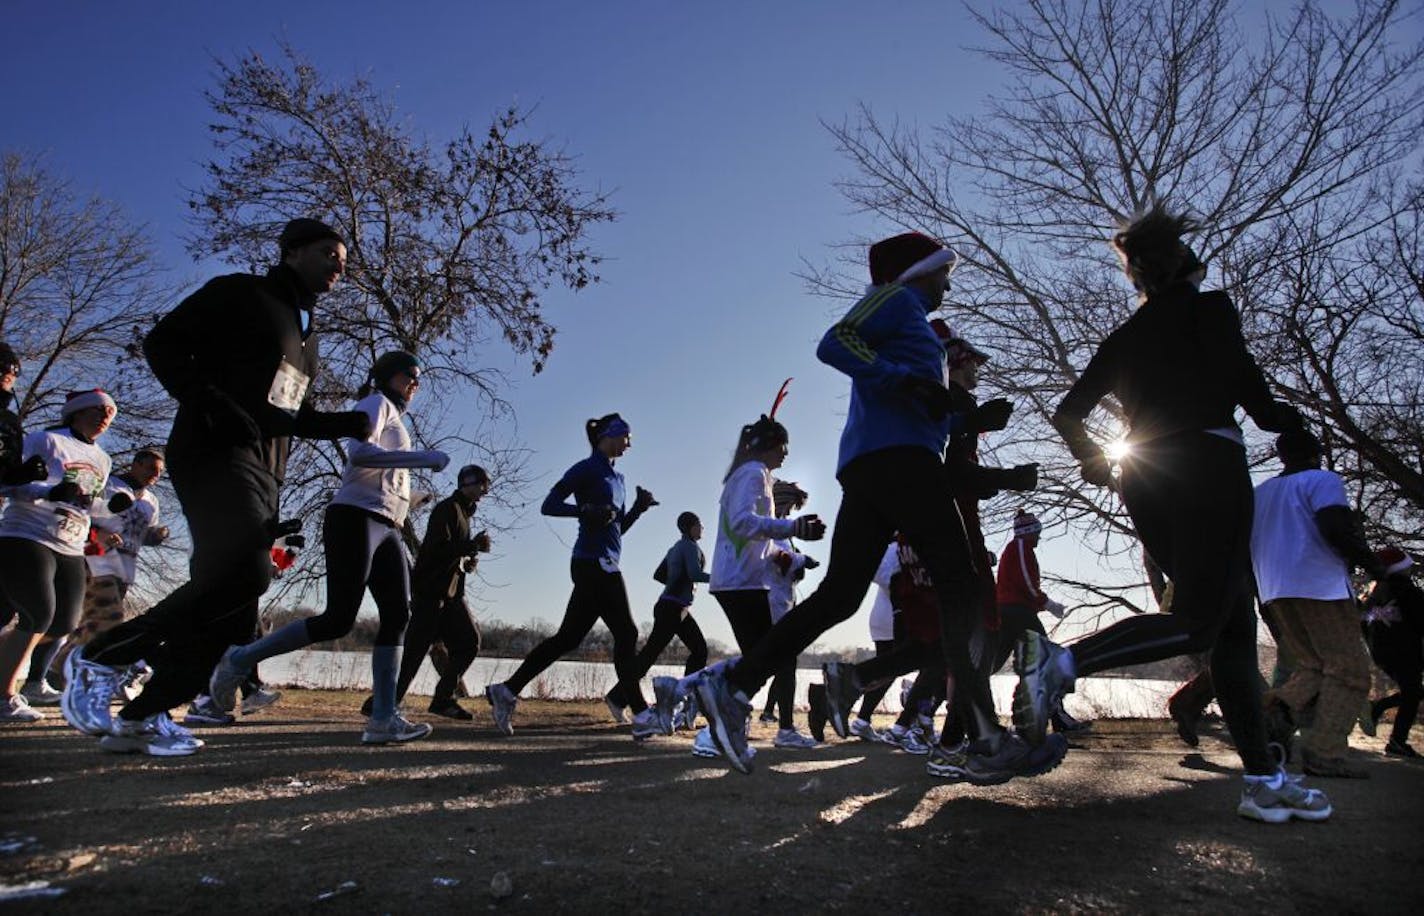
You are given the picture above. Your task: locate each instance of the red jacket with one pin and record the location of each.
(1018, 581)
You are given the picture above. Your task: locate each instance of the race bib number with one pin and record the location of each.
(72, 528)
(289, 388)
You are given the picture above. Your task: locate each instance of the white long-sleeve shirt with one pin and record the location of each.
(882, 612)
(61, 527)
(133, 525)
(383, 487)
(746, 525)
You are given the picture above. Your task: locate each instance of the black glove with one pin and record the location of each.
(597, 516)
(991, 415)
(1096, 469)
(1022, 477)
(120, 502)
(480, 543)
(295, 541)
(643, 500)
(68, 491)
(811, 563)
(32, 470)
(809, 528)
(285, 529)
(935, 397)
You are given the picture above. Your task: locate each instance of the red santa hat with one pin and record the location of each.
(1026, 524)
(1393, 560)
(904, 257)
(82, 400)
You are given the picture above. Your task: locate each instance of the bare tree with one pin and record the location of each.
(1287, 144)
(451, 246)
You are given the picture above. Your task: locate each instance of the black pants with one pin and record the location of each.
(362, 553)
(900, 489)
(45, 588)
(229, 499)
(448, 621)
(597, 594)
(1190, 498)
(669, 619)
(1396, 648)
(749, 613)
(874, 695)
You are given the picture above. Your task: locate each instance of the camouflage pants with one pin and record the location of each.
(1332, 669)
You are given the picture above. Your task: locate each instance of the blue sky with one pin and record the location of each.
(703, 123)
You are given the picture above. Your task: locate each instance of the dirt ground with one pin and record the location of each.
(570, 816)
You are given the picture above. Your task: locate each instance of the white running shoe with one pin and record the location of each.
(906, 740)
(18, 709)
(703, 746)
(866, 732)
(791, 738)
(395, 730)
(617, 712)
(165, 726)
(131, 682)
(40, 693)
(127, 737)
(87, 691)
(646, 724)
(259, 699)
(502, 702)
(226, 678)
(1276, 804)
(203, 712)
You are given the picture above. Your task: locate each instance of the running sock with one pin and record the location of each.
(280, 641)
(385, 667)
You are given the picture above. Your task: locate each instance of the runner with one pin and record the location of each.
(362, 538)
(1178, 367)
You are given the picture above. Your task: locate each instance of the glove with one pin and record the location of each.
(935, 398)
(811, 563)
(285, 529)
(468, 564)
(1022, 477)
(440, 461)
(1096, 470)
(294, 541)
(31, 470)
(643, 500)
(809, 528)
(597, 516)
(1056, 608)
(68, 491)
(480, 543)
(120, 502)
(991, 415)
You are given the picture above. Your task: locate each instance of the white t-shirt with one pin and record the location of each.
(1291, 557)
(746, 526)
(882, 612)
(384, 491)
(781, 588)
(132, 525)
(62, 527)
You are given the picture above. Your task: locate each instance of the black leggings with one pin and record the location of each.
(45, 588)
(902, 489)
(362, 553)
(1396, 648)
(1190, 498)
(229, 499)
(597, 594)
(874, 695)
(749, 612)
(447, 620)
(669, 619)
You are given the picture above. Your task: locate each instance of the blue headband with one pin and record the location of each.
(615, 428)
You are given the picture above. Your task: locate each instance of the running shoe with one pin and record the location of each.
(165, 726)
(226, 678)
(40, 693)
(665, 703)
(1400, 749)
(1185, 718)
(88, 689)
(1015, 757)
(1278, 798)
(395, 730)
(949, 762)
(131, 682)
(617, 711)
(767, 717)
(686, 716)
(18, 709)
(816, 717)
(906, 740)
(144, 737)
(863, 730)
(841, 693)
(204, 713)
(1063, 722)
(1368, 723)
(502, 702)
(704, 746)
(448, 708)
(791, 738)
(1041, 685)
(259, 699)
(727, 718)
(646, 725)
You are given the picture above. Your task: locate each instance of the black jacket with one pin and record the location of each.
(1179, 364)
(438, 573)
(12, 437)
(219, 353)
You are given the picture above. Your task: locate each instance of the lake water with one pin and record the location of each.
(1096, 697)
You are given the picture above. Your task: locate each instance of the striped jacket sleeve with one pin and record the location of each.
(851, 344)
